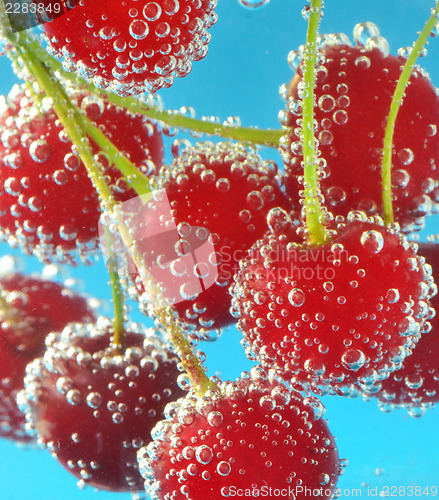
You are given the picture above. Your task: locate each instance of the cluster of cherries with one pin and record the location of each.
(353, 314)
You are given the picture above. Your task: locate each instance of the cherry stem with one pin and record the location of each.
(268, 138)
(313, 208)
(398, 95)
(136, 179)
(78, 127)
(70, 118)
(118, 302)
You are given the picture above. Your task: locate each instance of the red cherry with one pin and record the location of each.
(93, 408)
(39, 166)
(257, 436)
(353, 93)
(219, 191)
(132, 48)
(333, 314)
(415, 386)
(30, 308)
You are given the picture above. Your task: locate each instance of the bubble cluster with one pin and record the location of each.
(354, 86)
(205, 444)
(219, 193)
(93, 407)
(415, 384)
(30, 308)
(132, 48)
(334, 315)
(39, 164)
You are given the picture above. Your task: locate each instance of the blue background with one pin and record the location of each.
(241, 75)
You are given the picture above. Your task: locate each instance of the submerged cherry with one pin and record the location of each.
(48, 204)
(30, 308)
(354, 88)
(255, 436)
(92, 407)
(219, 196)
(415, 384)
(132, 47)
(333, 314)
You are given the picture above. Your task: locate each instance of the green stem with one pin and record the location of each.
(118, 301)
(268, 138)
(77, 128)
(386, 166)
(313, 208)
(138, 181)
(71, 120)
(68, 115)
(195, 371)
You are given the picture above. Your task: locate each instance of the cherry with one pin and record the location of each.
(330, 315)
(132, 48)
(255, 435)
(31, 308)
(415, 385)
(219, 193)
(353, 92)
(93, 407)
(39, 165)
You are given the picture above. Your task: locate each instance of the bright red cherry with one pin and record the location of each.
(48, 205)
(92, 407)
(255, 437)
(353, 92)
(331, 315)
(132, 47)
(217, 193)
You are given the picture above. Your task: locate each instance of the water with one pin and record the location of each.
(246, 65)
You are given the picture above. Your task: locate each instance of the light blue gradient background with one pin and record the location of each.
(241, 75)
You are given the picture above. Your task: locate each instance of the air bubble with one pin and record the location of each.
(223, 468)
(406, 156)
(379, 43)
(363, 32)
(204, 454)
(340, 117)
(40, 151)
(255, 200)
(326, 103)
(372, 241)
(254, 4)
(296, 297)
(152, 11)
(138, 29)
(215, 418)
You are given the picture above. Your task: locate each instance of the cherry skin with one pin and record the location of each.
(257, 436)
(330, 315)
(30, 309)
(220, 193)
(132, 48)
(415, 385)
(39, 165)
(93, 407)
(353, 92)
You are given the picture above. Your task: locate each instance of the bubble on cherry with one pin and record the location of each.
(353, 359)
(296, 297)
(372, 241)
